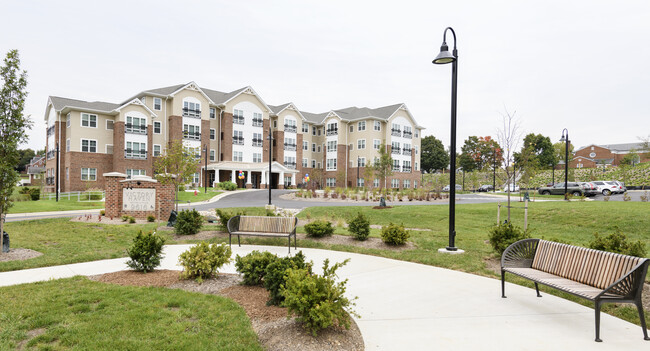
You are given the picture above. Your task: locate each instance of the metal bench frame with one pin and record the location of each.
(627, 289)
(233, 229)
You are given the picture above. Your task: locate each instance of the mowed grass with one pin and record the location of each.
(185, 196)
(79, 314)
(52, 205)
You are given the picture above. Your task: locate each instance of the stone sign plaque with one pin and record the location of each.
(139, 199)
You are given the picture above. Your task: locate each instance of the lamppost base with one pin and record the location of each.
(453, 251)
(269, 207)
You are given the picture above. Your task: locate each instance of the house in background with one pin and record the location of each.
(593, 156)
(35, 169)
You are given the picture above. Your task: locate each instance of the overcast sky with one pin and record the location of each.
(580, 65)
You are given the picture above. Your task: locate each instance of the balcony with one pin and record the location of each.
(396, 132)
(395, 150)
(237, 140)
(290, 147)
(50, 131)
(290, 128)
(395, 168)
(408, 135)
(51, 154)
(406, 152)
(290, 165)
(135, 129)
(334, 131)
(257, 142)
(258, 122)
(192, 135)
(135, 154)
(406, 169)
(191, 113)
(237, 119)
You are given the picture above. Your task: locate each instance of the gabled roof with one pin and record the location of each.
(137, 102)
(316, 118)
(276, 110)
(627, 147)
(356, 113)
(60, 103)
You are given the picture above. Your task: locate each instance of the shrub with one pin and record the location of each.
(151, 218)
(318, 229)
(317, 300)
(626, 197)
(227, 185)
(102, 213)
(188, 222)
(394, 234)
(617, 242)
(359, 226)
(131, 219)
(35, 194)
(270, 213)
(146, 251)
(276, 275)
(125, 218)
(503, 235)
(203, 260)
(253, 266)
(224, 216)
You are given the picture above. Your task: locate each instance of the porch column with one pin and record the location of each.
(281, 180)
(232, 177)
(293, 179)
(216, 176)
(263, 180)
(249, 184)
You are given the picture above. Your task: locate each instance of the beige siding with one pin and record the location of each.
(76, 132)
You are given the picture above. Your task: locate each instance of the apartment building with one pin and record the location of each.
(229, 134)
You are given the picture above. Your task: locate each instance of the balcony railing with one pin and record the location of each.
(332, 131)
(135, 154)
(291, 165)
(257, 142)
(192, 135)
(237, 140)
(258, 122)
(238, 119)
(395, 168)
(395, 150)
(191, 113)
(51, 154)
(135, 129)
(406, 169)
(396, 132)
(50, 131)
(290, 128)
(408, 135)
(406, 152)
(290, 147)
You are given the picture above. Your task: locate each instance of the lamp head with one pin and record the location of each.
(562, 139)
(444, 56)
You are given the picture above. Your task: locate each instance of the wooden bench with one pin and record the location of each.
(599, 276)
(263, 226)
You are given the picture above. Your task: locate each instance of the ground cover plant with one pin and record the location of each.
(79, 314)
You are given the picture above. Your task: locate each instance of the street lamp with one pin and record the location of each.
(205, 178)
(268, 179)
(494, 171)
(358, 166)
(565, 139)
(445, 57)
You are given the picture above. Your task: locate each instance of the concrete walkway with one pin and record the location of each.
(408, 306)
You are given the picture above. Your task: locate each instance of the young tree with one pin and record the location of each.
(508, 136)
(434, 156)
(384, 166)
(13, 129)
(176, 166)
(316, 178)
(368, 176)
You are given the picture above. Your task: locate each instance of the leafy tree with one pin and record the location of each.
(316, 177)
(384, 165)
(26, 156)
(176, 166)
(434, 156)
(630, 158)
(368, 176)
(540, 151)
(560, 152)
(13, 128)
(478, 153)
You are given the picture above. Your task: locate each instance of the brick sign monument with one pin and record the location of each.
(139, 197)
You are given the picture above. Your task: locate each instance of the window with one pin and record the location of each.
(377, 126)
(331, 182)
(406, 166)
(318, 131)
(361, 144)
(375, 183)
(361, 126)
(196, 178)
(396, 130)
(360, 182)
(407, 184)
(157, 104)
(109, 124)
(361, 161)
(290, 125)
(318, 148)
(68, 119)
(156, 150)
(191, 109)
(290, 144)
(331, 164)
(305, 128)
(290, 162)
(331, 146)
(332, 129)
(407, 149)
(88, 120)
(191, 132)
(257, 157)
(395, 149)
(319, 166)
(395, 165)
(89, 174)
(305, 145)
(351, 128)
(313, 163)
(313, 130)
(237, 156)
(135, 172)
(109, 149)
(407, 132)
(157, 127)
(417, 149)
(213, 154)
(394, 183)
(135, 125)
(88, 145)
(376, 143)
(67, 174)
(257, 120)
(305, 163)
(213, 113)
(416, 166)
(67, 145)
(415, 184)
(238, 137)
(213, 134)
(313, 147)
(257, 139)
(351, 147)
(417, 134)
(135, 150)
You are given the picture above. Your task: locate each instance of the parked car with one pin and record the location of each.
(558, 189)
(485, 188)
(458, 188)
(607, 187)
(513, 188)
(590, 188)
(621, 186)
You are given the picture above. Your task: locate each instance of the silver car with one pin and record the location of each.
(607, 187)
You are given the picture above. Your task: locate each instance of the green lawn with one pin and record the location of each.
(185, 196)
(52, 205)
(79, 314)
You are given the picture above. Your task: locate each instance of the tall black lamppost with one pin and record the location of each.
(445, 57)
(494, 172)
(205, 177)
(565, 139)
(268, 179)
(358, 166)
(57, 172)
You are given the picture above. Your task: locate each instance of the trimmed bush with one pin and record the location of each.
(151, 218)
(503, 235)
(224, 216)
(203, 260)
(319, 229)
(146, 251)
(359, 226)
(227, 186)
(102, 213)
(317, 300)
(276, 275)
(253, 266)
(131, 219)
(394, 234)
(125, 218)
(617, 242)
(188, 222)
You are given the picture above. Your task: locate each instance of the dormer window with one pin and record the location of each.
(157, 104)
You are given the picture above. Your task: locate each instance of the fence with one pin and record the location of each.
(81, 196)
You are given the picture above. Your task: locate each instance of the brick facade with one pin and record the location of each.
(226, 141)
(114, 185)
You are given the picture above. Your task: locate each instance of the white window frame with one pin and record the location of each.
(68, 120)
(406, 184)
(112, 123)
(376, 144)
(159, 127)
(89, 115)
(213, 134)
(377, 126)
(375, 183)
(67, 145)
(89, 174)
(361, 162)
(305, 162)
(159, 101)
(213, 155)
(360, 125)
(313, 163)
(81, 145)
(305, 146)
(257, 157)
(331, 164)
(237, 153)
(351, 128)
(213, 113)
(361, 144)
(159, 150)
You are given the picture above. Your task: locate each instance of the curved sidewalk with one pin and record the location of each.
(408, 306)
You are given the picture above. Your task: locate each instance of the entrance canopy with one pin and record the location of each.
(250, 167)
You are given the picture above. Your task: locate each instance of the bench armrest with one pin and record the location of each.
(233, 224)
(520, 254)
(630, 286)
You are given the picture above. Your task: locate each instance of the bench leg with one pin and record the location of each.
(597, 310)
(295, 241)
(639, 306)
(503, 284)
(239, 240)
(537, 289)
(289, 245)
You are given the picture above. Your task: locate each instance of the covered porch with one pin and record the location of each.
(251, 175)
